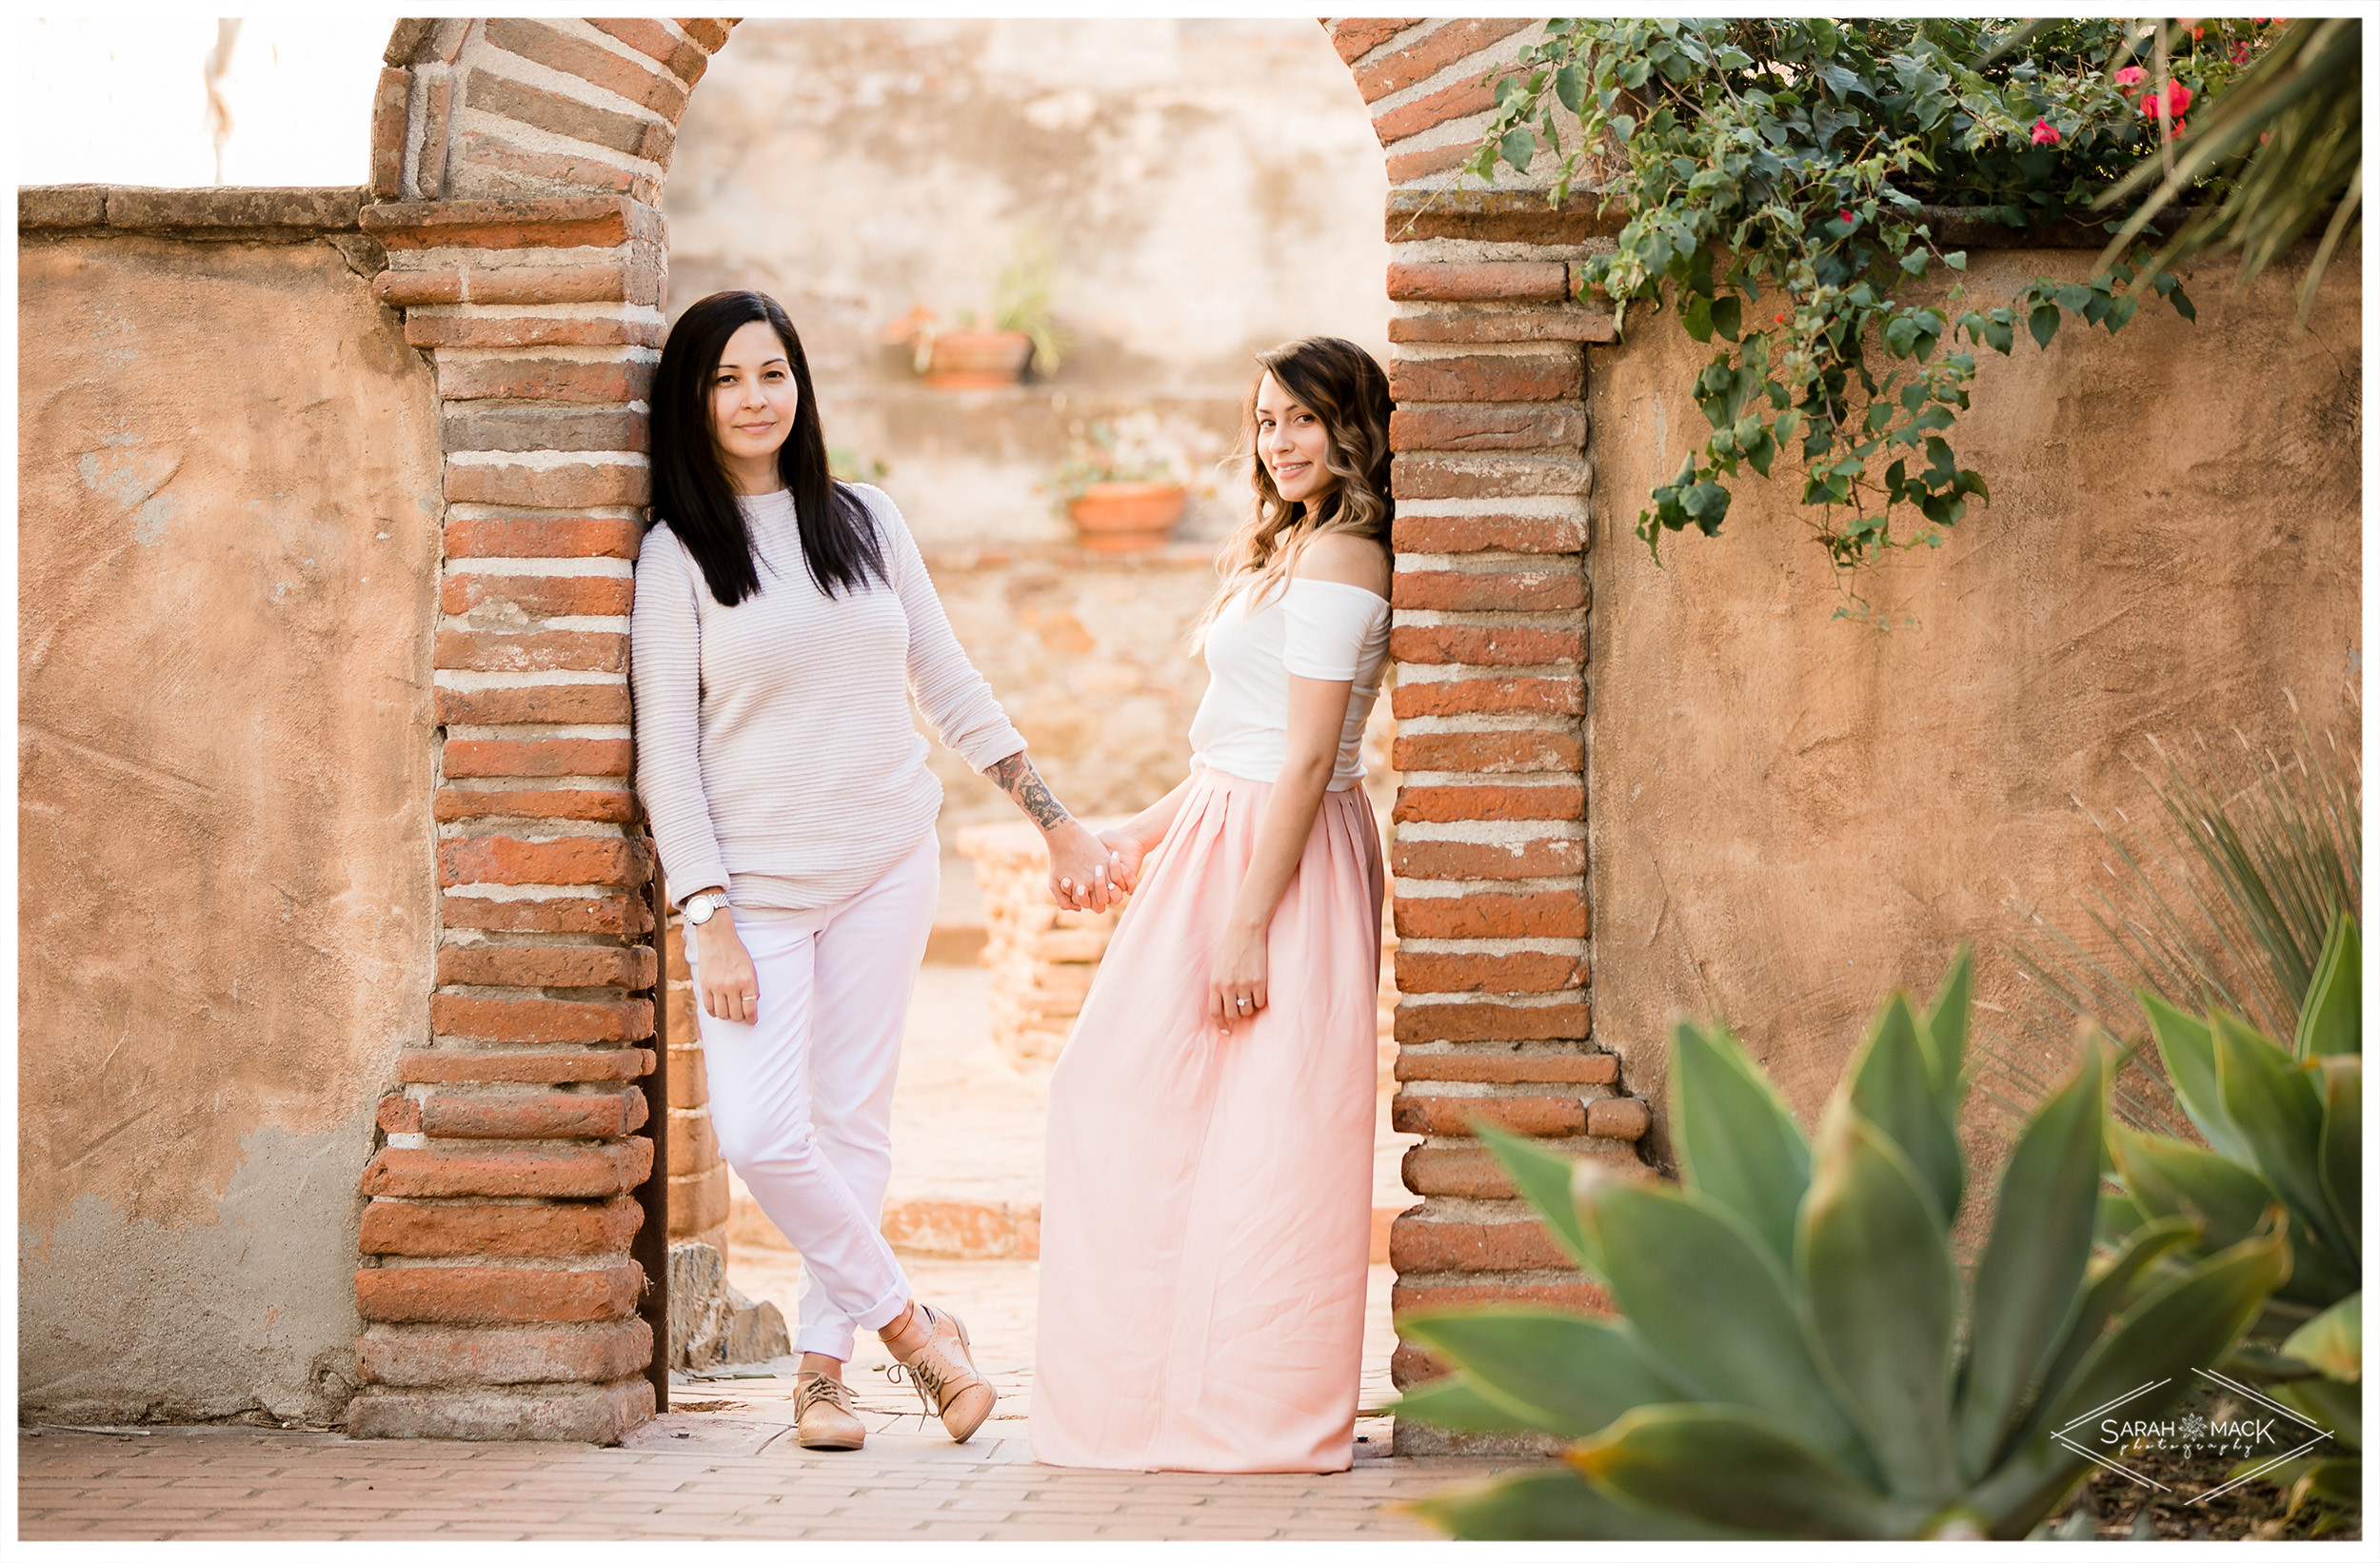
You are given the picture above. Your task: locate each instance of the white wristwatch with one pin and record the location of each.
(701, 908)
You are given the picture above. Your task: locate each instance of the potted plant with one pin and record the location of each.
(1021, 330)
(1121, 485)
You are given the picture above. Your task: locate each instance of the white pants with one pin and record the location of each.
(801, 1096)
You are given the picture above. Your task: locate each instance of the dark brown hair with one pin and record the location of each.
(692, 494)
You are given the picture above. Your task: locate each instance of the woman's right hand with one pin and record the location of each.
(1125, 852)
(730, 988)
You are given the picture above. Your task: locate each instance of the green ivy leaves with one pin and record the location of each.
(1775, 175)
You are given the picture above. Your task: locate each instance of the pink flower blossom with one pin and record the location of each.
(1845, 215)
(2045, 133)
(2131, 75)
(2176, 99)
(2239, 53)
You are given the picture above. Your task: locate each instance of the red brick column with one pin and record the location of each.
(515, 161)
(1491, 479)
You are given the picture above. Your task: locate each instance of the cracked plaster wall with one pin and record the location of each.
(1789, 816)
(228, 553)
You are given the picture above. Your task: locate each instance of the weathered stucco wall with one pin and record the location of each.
(1789, 816)
(227, 551)
(1207, 187)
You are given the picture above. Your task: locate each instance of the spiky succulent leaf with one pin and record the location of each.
(2168, 1177)
(2330, 1022)
(1455, 1402)
(2343, 1147)
(2028, 1287)
(2277, 1106)
(1560, 1505)
(1562, 1372)
(1876, 1268)
(1543, 1178)
(1734, 1466)
(1891, 1084)
(1713, 1310)
(2120, 1216)
(1736, 1140)
(2333, 1340)
(2187, 1323)
(2335, 1408)
(2113, 1287)
(1946, 1026)
(2187, 1047)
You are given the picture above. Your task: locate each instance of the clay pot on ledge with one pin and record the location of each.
(978, 360)
(1114, 518)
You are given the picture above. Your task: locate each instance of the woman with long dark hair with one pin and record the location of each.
(783, 621)
(1206, 1214)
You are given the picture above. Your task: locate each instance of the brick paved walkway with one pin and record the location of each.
(688, 1475)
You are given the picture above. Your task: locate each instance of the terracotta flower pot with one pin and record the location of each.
(974, 359)
(1114, 518)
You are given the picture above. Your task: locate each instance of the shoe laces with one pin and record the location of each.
(922, 1375)
(834, 1391)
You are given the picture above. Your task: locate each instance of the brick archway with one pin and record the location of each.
(515, 167)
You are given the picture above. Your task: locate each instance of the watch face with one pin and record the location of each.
(698, 910)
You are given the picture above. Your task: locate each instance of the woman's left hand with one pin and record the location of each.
(1082, 876)
(1236, 990)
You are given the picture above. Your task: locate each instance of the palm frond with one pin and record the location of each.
(2289, 136)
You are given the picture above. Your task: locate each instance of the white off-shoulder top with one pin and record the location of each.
(1315, 629)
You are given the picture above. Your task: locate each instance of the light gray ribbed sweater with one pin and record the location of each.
(774, 749)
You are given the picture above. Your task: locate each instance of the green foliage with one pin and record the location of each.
(1781, 180)
(1021, 301)
(2231, 900)
(2284, 1123)
(1830, 1375)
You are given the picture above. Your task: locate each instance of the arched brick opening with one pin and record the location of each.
(515, 166)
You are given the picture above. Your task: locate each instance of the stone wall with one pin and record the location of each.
(227, 545)
(1791, 815)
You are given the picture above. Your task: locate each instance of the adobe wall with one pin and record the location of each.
(227, 550)
(1788, 815)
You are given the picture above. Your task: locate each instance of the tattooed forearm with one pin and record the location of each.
(1020, 780)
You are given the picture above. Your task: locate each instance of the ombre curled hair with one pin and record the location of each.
(1344, 386)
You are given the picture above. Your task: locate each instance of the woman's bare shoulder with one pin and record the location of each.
(1344, 558)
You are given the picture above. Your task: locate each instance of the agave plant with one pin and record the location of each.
(2231, 903)
(1796, 1355)
(2331, 1347)
(2283, 1124)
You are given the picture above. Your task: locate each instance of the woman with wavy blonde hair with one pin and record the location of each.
(1206, 1214)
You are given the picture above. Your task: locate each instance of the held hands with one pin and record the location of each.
(1238, 988)
(730, 988)
(1084, 877)
(1127, 854)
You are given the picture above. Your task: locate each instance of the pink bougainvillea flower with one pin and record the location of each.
(2045, 133)
(2239, 53)
(2131, 75)
(2176, 99)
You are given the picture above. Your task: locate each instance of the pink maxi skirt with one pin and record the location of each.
(1206, 1212)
